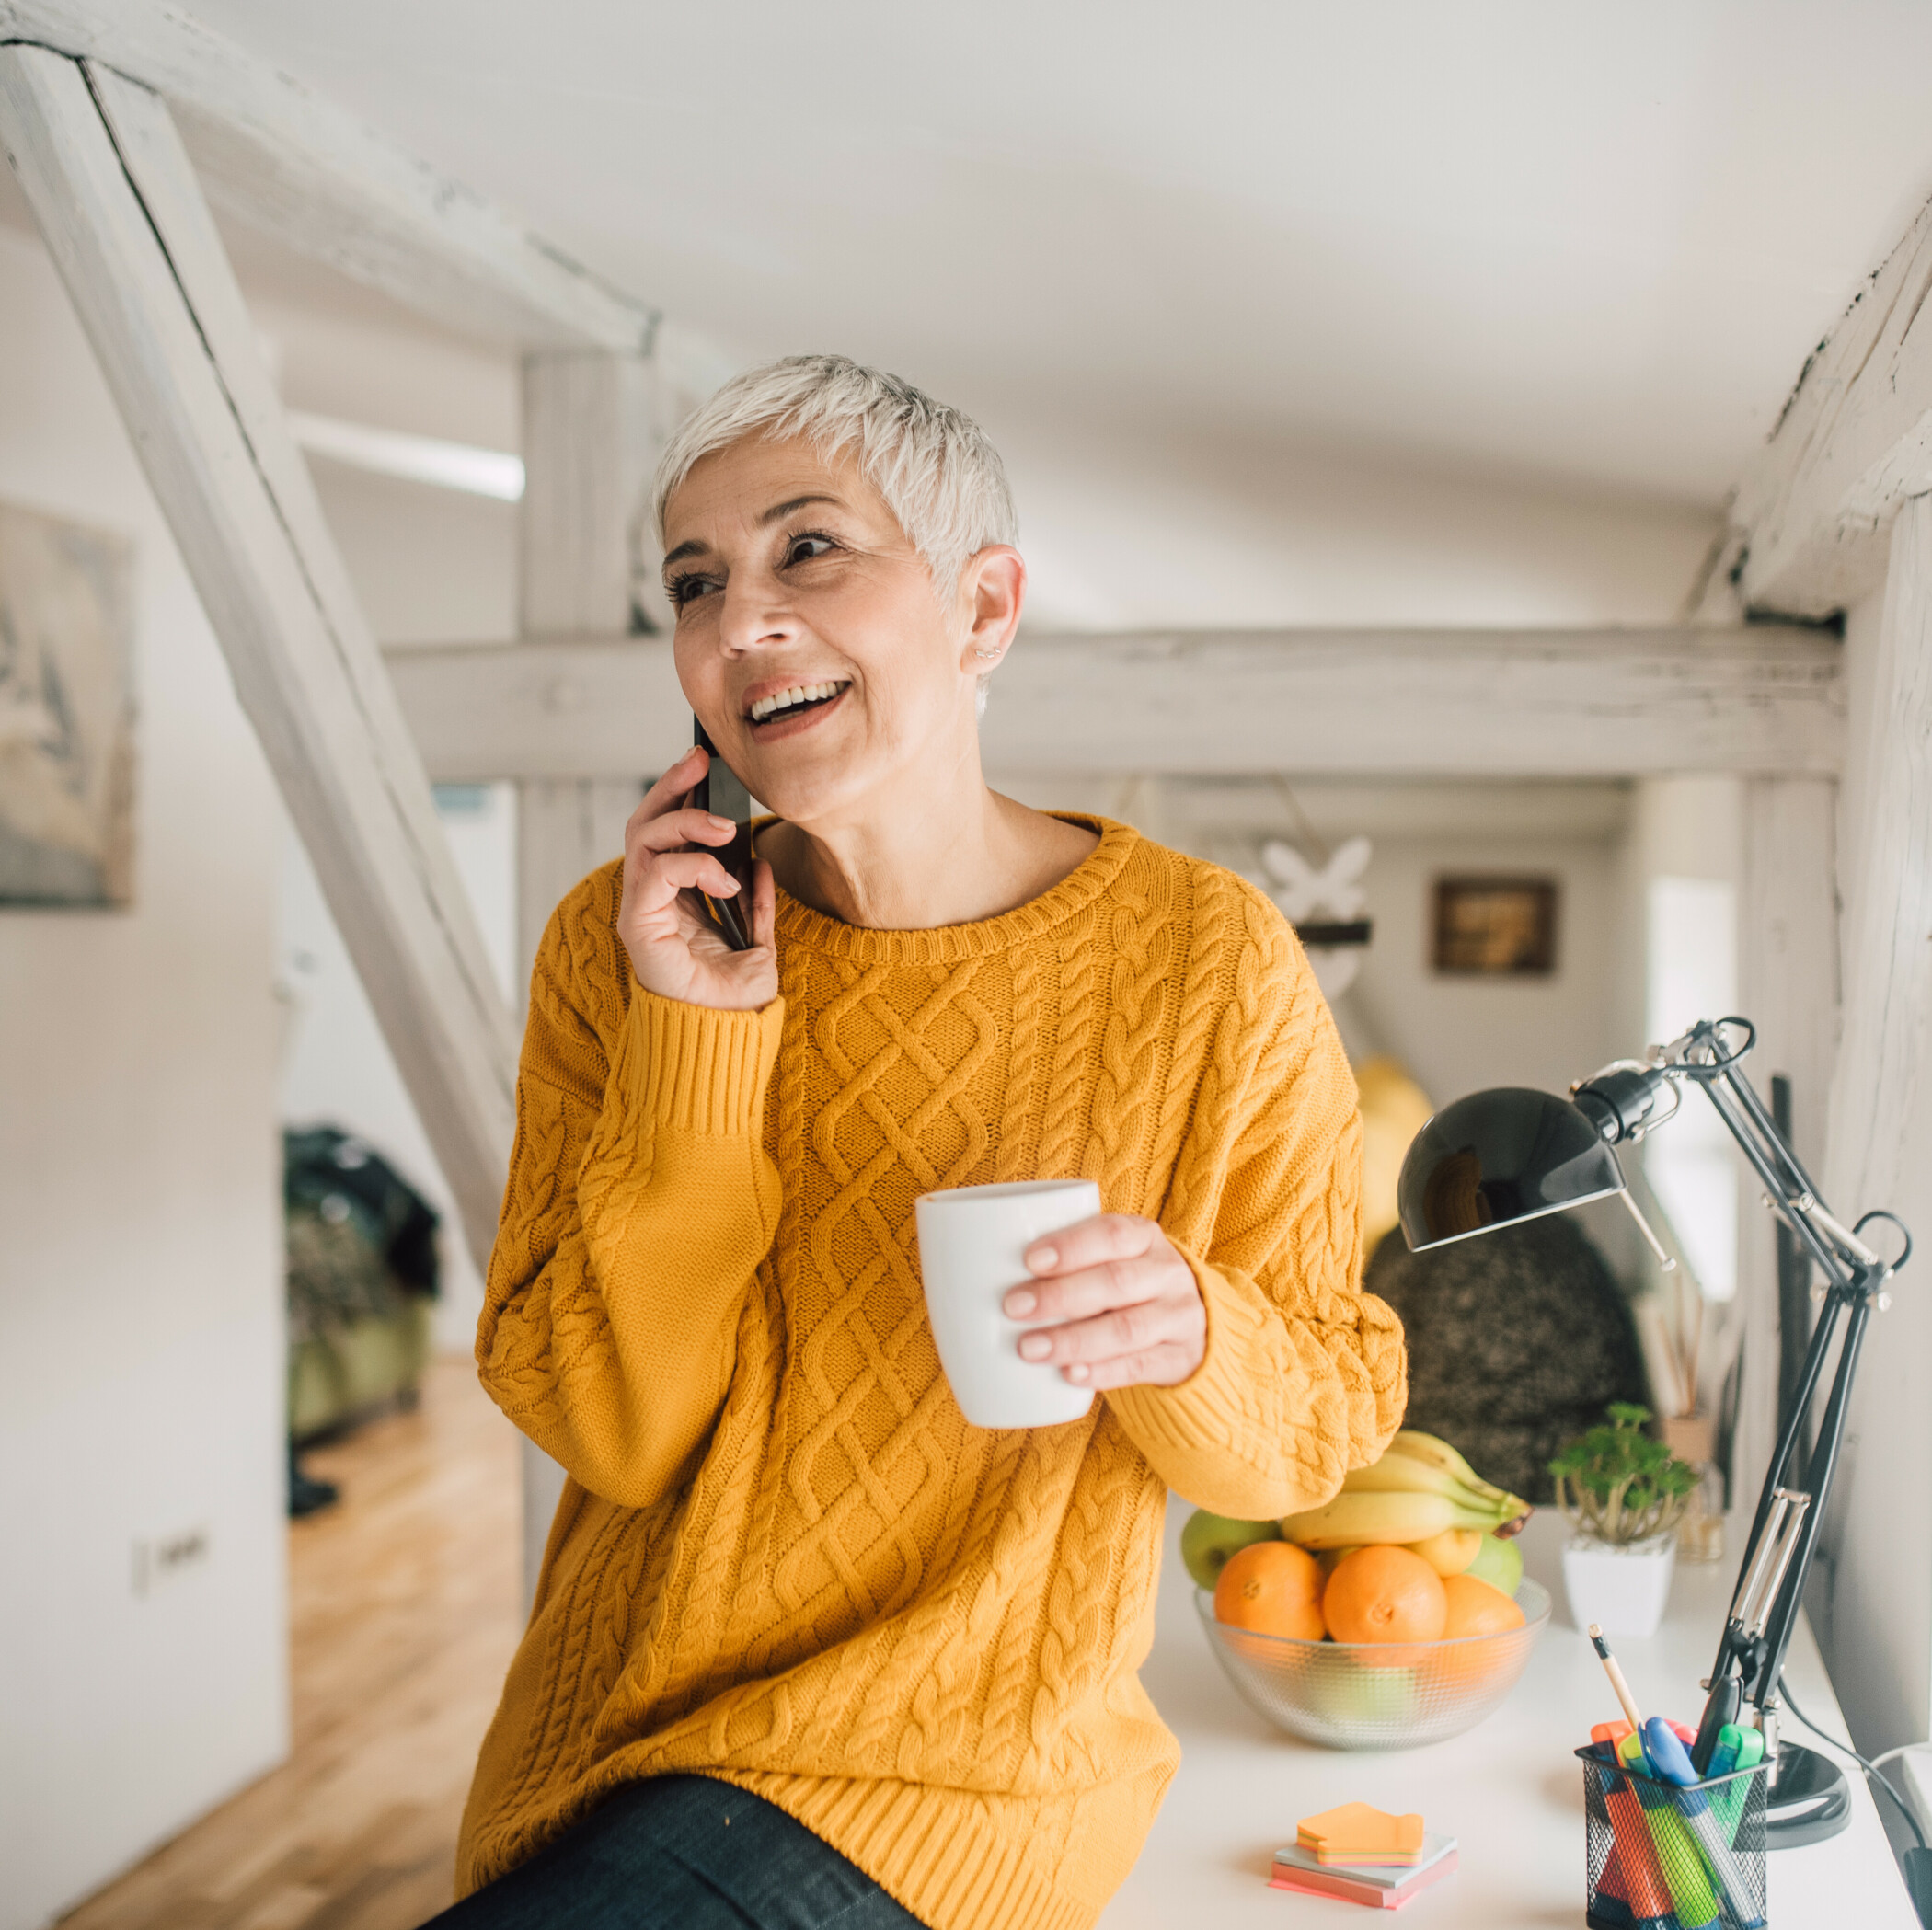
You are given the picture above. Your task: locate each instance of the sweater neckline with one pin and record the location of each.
(946, 943)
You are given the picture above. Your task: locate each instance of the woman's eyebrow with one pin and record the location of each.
(777, 513)
(780, 511)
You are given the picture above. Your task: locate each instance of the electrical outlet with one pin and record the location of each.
(162, 1558)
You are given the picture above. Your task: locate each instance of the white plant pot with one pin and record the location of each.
(1623, 1591)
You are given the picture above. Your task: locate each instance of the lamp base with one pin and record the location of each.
(1809, 1800)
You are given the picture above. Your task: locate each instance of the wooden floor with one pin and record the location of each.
(403, 1611)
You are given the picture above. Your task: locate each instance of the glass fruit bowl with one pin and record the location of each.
(1376, 1694)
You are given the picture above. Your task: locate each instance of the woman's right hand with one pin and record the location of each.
(674, 950)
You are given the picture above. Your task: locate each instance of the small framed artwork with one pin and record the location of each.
(67, 713)
(1496, 927)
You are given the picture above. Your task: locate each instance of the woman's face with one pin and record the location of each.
(789, 574)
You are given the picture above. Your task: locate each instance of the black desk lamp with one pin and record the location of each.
(1512, 1154)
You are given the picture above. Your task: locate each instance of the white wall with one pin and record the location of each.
(1457, 1034)
(141, 1310)
(1145, 528)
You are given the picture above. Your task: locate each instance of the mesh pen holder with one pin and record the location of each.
(1665, 1858)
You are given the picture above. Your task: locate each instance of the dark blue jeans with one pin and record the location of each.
(682, 1853)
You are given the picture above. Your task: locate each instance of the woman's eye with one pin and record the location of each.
(682, 590)
(802, 550)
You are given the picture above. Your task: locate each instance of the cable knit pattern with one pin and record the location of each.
(783, 1556)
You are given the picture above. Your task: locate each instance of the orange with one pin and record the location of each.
(1272, 1586)
(1475, 1608)
(1449, 1551)
(1385, 1595)
(1478, 1608)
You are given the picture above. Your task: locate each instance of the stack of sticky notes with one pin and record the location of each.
(1364, 1855)
(1359, 1833)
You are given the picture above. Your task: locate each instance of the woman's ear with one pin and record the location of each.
(992, 587)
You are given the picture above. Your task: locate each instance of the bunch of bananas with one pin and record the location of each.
(1419, 1489)
(1420, 1495)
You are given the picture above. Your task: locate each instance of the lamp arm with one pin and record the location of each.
(1739, 1664)
(1854, 1275)
(1762, 1692)
(1732, 1647)
(1805, 1200)
(1777, 1475)
(1787, 1186)
(1755, 1110)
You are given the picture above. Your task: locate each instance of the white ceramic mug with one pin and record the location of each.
(972, 1243)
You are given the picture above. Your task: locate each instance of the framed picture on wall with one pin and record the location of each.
(67, 713)
(1495, 927)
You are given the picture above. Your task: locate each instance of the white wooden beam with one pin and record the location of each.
(1208, 810)
(1886, 943)
(1855, 441)
(1423, 703)
(592, 433)
(285, 160)
(1871, 1594)
(124, 221)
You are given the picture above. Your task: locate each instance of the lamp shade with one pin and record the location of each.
(1497, 1157)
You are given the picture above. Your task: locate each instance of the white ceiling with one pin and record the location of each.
(1578, 242)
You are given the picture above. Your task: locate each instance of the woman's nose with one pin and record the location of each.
(755, 614)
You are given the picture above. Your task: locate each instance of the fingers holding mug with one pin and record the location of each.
(1111, 1304)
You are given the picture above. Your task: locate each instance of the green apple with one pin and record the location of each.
(1353, 1696)
(1209, 1539)
(1497, 1562)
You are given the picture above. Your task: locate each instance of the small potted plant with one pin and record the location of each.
(1623, 1494)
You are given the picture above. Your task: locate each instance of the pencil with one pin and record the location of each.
(1616, 1680)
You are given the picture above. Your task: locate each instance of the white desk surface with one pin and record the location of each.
(1510, 1790)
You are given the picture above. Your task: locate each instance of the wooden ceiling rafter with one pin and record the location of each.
(1810, 518)
(1404, 703)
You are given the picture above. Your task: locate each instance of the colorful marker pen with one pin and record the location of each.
(1729, 1799)
(1689, 1881)
(1672, 1764)
(1647, 1895)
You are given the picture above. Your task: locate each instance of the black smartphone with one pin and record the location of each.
(719, 790)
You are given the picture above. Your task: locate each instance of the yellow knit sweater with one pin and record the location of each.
(783, 1556)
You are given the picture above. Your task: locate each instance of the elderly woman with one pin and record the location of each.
(809, 1648)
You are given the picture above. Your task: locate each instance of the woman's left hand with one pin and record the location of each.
(1113, 1305)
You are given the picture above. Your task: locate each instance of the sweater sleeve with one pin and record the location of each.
(1304, 1375)
(639, 1207)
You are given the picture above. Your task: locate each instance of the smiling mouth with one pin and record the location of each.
(799, 699)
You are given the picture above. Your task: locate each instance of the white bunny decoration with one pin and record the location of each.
(1301, 891)
(1332, 893)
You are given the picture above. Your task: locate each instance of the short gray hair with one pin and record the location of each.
(934, 466)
